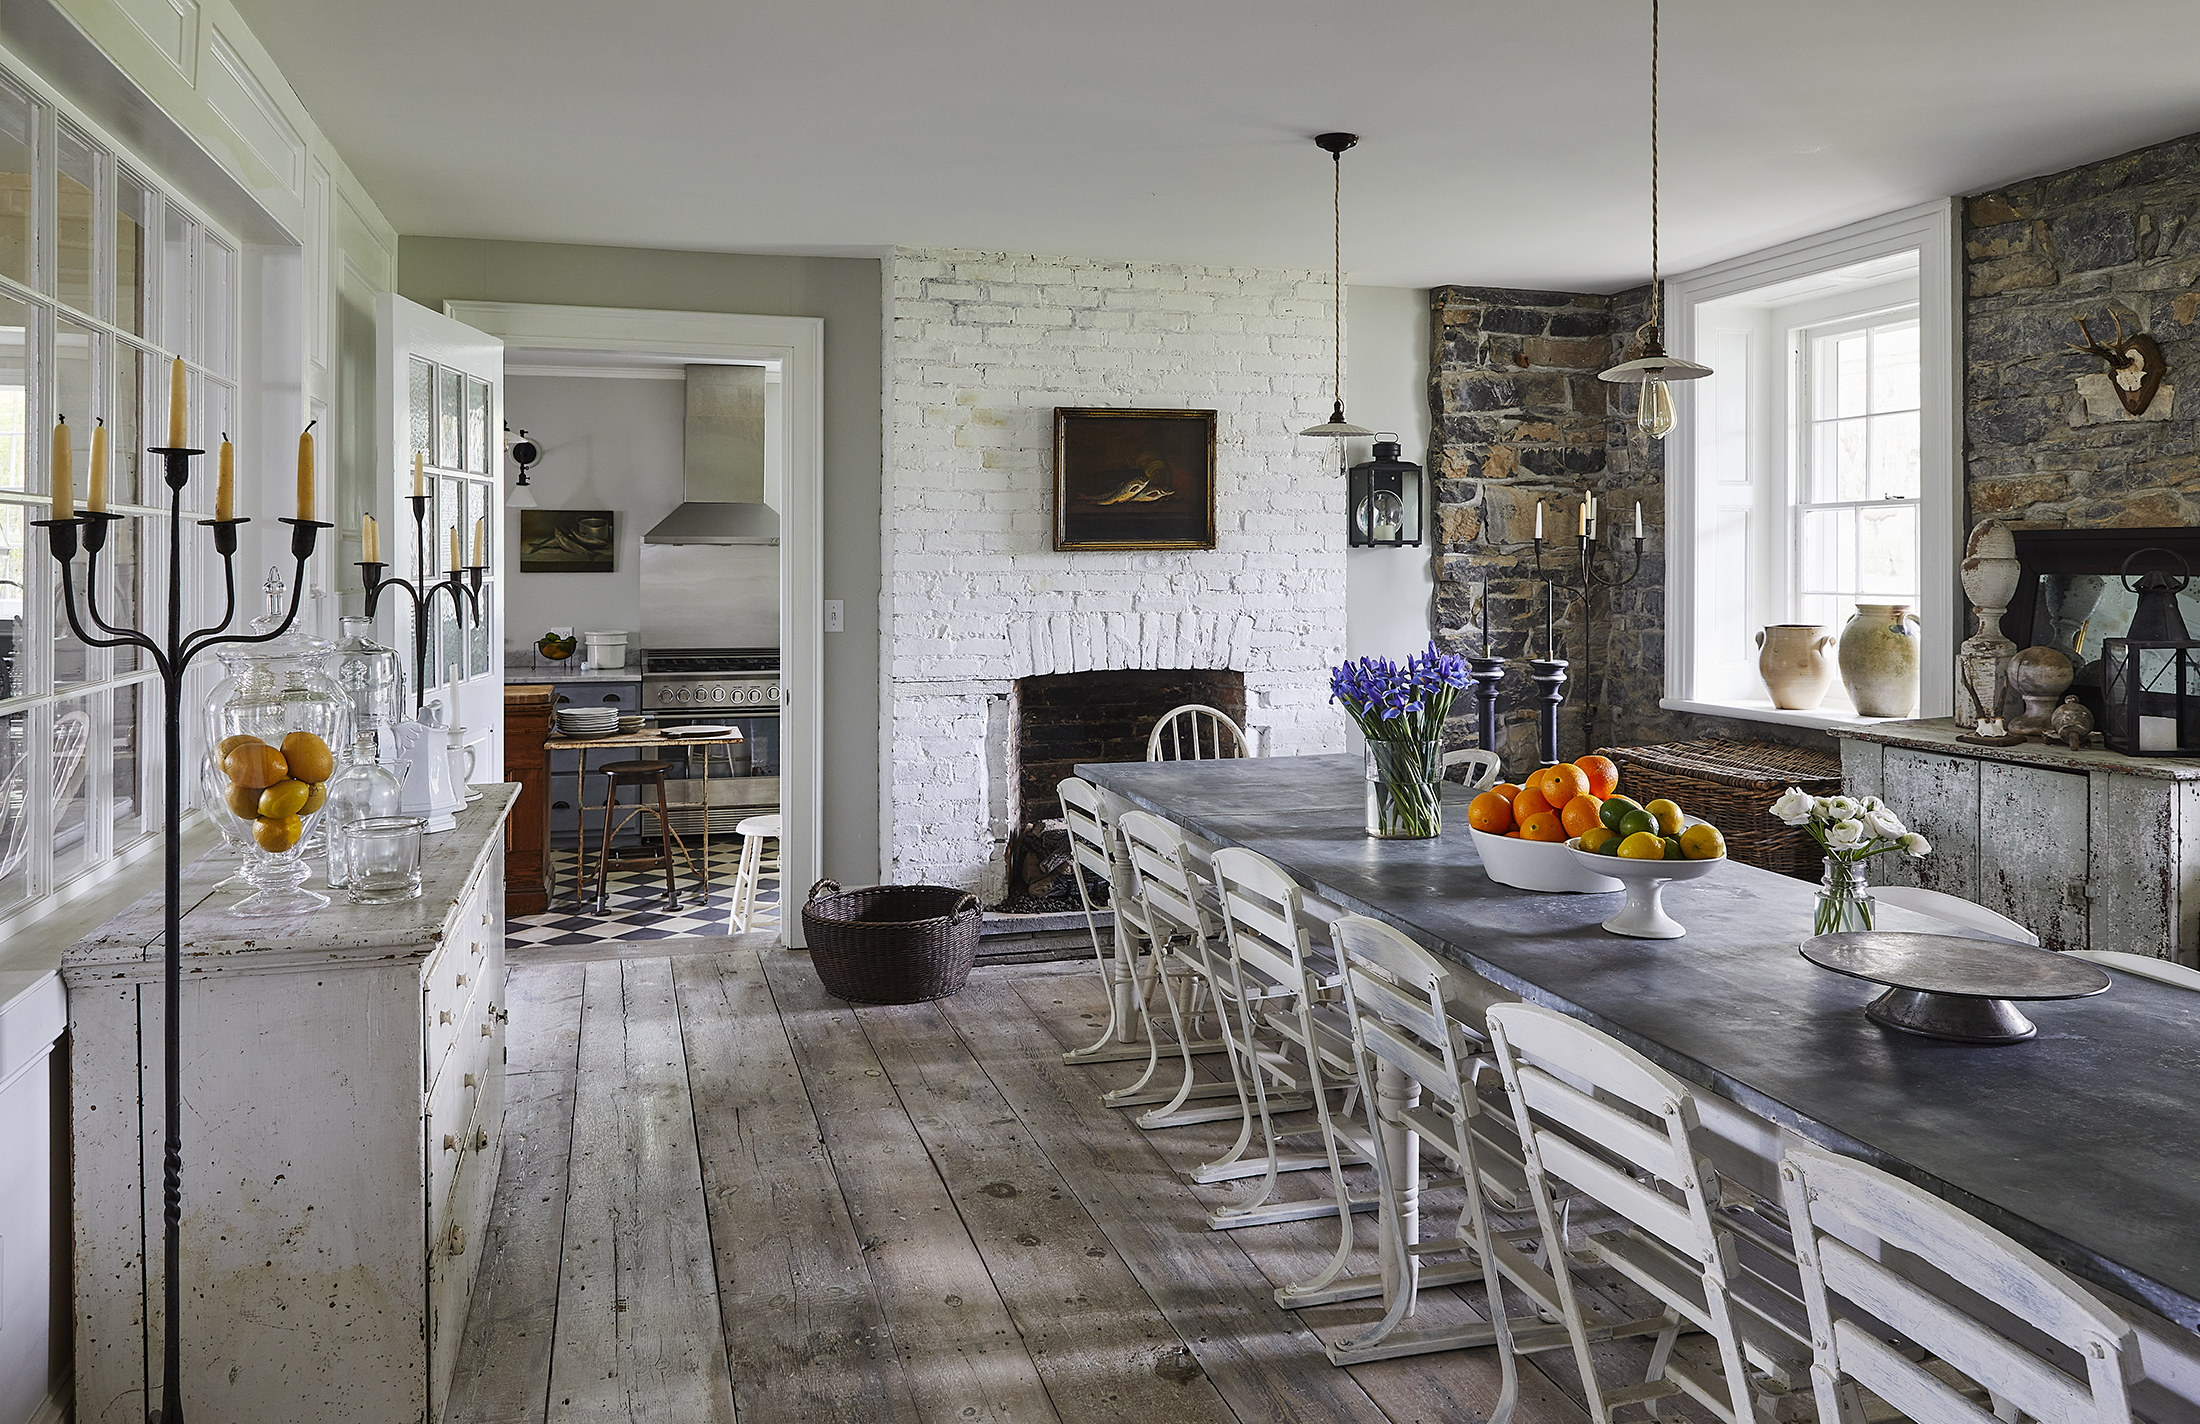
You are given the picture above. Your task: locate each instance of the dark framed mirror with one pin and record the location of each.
(2069, 596)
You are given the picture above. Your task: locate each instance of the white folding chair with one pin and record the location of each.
(1196, 732)
(1955, 911)
(1487, 768)
(1842, 1214)
(1602, 1120)
(1093, 851)
(1191, 971)
(1295, 1048)
(1416, 1063)
(2146, 966)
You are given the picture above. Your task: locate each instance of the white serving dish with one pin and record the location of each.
(1643, 916)
(1538, 865)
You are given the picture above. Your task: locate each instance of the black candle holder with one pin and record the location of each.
(171, 658)
(1549, 671)
(462, 585)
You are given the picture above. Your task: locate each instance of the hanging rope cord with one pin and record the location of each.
(1651, 325)
(1336, 276)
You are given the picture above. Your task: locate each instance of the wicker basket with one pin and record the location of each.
(891, 944)
(1733, 785)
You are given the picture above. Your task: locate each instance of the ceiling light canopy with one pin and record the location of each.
(1336, 427)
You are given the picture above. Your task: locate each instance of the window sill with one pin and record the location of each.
(1766, 712)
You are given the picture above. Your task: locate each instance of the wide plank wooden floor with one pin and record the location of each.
(728, 1196)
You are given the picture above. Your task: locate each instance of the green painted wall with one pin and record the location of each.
(843, 291)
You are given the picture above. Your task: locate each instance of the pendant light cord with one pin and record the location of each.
(1650, 328)
(1336, 277)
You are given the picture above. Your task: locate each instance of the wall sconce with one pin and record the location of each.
(525, 452)
(1383, 499)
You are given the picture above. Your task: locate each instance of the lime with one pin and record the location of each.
(1615, 807)
(1673, 848)
(1637, 822)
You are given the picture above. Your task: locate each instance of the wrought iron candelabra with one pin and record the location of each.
(462, 585)
(1549, 671)
(171, 657)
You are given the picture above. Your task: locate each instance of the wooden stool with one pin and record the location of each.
(753, 832)
(638, 773)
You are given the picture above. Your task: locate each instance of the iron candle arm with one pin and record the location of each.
(1590, 578)
(303, 534)
(61, 536)
(225, 544)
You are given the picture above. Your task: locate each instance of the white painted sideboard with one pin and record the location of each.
(2090, 849)
(342, 1129)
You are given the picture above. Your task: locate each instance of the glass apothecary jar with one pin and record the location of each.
(363, 791)
(373, 679)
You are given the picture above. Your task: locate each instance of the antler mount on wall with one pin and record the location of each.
(2135, 364)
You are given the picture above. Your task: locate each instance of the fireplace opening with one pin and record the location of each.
(1066, 718)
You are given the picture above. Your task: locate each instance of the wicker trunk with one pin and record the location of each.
(1733, 785)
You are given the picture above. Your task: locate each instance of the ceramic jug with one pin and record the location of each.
(424, 766)
(1879, 660)
(1791, 658)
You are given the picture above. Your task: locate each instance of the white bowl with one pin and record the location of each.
(1643, 916)
(1538, 865)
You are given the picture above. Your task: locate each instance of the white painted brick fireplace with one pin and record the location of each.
(980, 349)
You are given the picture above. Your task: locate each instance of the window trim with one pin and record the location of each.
(1931, 230)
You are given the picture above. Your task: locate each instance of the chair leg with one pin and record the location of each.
(603, 848)
(744, 881)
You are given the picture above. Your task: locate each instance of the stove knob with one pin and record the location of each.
(748, 694)
(771, 694)
(718, 694)
(664, 694)
(683, 694)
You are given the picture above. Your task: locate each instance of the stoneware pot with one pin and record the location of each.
(1879, 659)
(1791, 658)
(2039, 676)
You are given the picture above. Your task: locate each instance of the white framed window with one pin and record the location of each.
(1819, 466)
(105, 275)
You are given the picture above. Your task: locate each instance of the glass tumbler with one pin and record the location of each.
(382, 858)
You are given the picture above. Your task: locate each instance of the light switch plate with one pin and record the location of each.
(833, 619)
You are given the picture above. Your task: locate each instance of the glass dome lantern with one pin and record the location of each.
(1383, 500)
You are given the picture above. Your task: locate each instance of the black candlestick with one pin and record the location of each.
(171, 659)
(1550, 673)
(463, 587)
(1488, 674)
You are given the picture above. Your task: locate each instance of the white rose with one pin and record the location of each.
(1841, 808)
(1845, 835)
(1916, 846)
(1882, 822)
(1793, 807)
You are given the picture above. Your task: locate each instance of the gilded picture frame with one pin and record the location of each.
(1133, 479)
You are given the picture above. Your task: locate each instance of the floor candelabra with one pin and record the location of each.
(463, 585)
(1549, 671)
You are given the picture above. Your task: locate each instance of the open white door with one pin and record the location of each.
(439, 393)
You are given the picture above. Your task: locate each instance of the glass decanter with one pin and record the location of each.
(364, 790)
(373, 679)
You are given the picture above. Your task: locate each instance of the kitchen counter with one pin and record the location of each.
(568, 672)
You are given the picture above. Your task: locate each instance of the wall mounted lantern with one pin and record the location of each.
(525, 453)
(1383, 499)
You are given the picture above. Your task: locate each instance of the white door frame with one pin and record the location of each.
(798, 344)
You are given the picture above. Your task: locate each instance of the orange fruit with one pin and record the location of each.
(1505, 789)
(1512, 835)
(1602, 773)
(1562, 783)
(1543, 826)
(1580, 815)
(1490, 812)
(1528, 803)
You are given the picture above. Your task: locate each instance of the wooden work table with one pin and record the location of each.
(627, 742)
(2082, 1143)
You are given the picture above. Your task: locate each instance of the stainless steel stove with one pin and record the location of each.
(710, 679)
(737, 687)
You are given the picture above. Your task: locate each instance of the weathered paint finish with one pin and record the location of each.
(2032, 864)
(1939, 796)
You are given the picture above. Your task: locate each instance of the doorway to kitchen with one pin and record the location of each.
(726, 632)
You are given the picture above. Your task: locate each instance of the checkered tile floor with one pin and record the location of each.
(635, 903)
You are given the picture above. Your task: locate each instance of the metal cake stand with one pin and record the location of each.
(1952, 986)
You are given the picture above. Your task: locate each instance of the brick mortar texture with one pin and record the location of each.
(981, 347)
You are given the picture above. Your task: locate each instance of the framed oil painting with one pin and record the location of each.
(1134, 479)
(567, 541)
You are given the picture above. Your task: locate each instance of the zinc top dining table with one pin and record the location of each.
(2083, 1143)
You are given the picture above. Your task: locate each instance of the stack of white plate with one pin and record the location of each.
(588, 721)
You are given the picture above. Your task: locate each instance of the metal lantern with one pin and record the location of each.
(1383, 499)
(2150, 693)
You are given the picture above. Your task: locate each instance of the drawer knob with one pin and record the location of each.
(503, 1015)
(443, 1016)
(455, 1244)
(469, 1080)
(461, 981)
(450, 1142)
(488, 1029)
(481, 1139)
(485, 919)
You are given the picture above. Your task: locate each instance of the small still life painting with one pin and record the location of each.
(566, 541)
(1134, 479)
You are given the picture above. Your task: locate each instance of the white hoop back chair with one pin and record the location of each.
(1192, 969)
(1834, 1204)
(1487, 768)
(1597, 1117)
(72, 739)
(1295, 1046)
(1954, 911)
(2146, 966)
(1095, 855)
(1196, 732)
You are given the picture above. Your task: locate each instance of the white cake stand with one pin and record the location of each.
(1643, 916)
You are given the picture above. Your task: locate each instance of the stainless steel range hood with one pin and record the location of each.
(724, 465)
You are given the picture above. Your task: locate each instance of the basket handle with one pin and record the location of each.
(827, 886)
(967, 902)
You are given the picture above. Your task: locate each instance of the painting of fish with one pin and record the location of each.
(567, 541)
(1134, 479)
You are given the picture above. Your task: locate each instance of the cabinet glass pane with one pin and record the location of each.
(477, 630)
(126, 739)
(75, 236)
(16, 832)
(17, 125)
(14, 580)
(218, 329)
(450, 508)
(450, 395)
(420, 404)
(72, 786)
(15, 348)
(133, 251)
(477, 426)
(178, 279)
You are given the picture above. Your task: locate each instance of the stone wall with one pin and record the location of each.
(981, 347)
(2109, 241)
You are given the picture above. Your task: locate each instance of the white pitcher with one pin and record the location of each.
(424, 765)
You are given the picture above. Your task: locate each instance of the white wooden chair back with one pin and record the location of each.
(1196, 732)
(1954, 910)
(1264, 918)
(1394, 992)
(72, 739)
(2146, 966)
(1165, 888)
(1487, 768)
(1833, 1201)
(1091, 842)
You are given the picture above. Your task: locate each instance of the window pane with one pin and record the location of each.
(77, 352)
(1850, 363)
(17, 125)
(218, 348)
(135, 372)
(120, 570)
(450, 507)
(449, 397)
(421, 406)
(215, 405)
(1894, 456)
(126, 738)
(133, 239)
(14, 581)
(477, 426)
(1894, 367)
(72, 786)
(15, 321)
(176, 280)
(75, 255)
(477, 629)
(1851, 473)
(16, 830)
(1886, 551)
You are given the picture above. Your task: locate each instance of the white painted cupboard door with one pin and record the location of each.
(439, 394)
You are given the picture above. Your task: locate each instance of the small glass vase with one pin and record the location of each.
(1405, 790)
(1844, 899)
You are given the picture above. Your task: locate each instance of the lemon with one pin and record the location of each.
(1702, 841)
(284, 798)
(1642, 845)
(1598, 840)
(230, 744)
(277, 834)
(308, 757)
(254, 764)
(1667, 815)
(316, 798)
(1615, 807)
(243, 802)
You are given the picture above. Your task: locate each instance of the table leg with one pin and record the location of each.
(706, 835)
(580, 828)
(1402, 1149)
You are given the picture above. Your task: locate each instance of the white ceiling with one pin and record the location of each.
(1502, 144)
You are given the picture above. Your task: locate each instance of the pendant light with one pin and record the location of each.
(1334, 144)
(1649, 366)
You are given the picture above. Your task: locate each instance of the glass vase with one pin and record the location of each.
(363, 791)
(373, 679)
(1844, 898)
(1405, 790)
